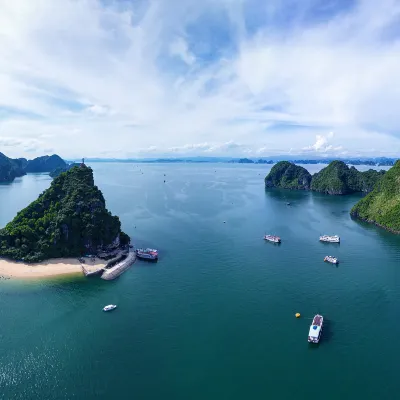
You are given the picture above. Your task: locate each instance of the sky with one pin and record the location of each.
(157, 78)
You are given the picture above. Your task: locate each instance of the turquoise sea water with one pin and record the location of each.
(214, 318)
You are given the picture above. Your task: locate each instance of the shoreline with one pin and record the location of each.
(372, 222)
(51, 268)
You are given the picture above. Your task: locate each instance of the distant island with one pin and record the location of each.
(45, 164)
(10, 168)
(382, 206)
(69, 219)
(373, 161)
(59, 170)
(335, 179)
(15, 168)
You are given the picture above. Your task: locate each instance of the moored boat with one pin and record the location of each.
(314, 335)
(331, 259)
(110, 307)
(330, 239)
(272, 238)
(147, 254)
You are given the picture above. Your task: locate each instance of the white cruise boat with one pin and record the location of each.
(314, 335)
(331, 259)
(272, 238)
(110, 307)
(330, 239)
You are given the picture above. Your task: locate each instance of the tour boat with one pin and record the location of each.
(314, 334)
(147, 254)
(330, 239)
(272, 238)
(331, 259)
(110, 307)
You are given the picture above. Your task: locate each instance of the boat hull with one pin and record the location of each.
(109, 309)
(146, 257)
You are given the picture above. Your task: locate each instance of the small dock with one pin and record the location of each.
(98, 271)
(118, 269)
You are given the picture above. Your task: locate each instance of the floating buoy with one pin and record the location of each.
(297, 315)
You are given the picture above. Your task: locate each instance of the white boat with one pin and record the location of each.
(272, 238)
(331, 259)
(330, 239)
(110, 307)
(314, 335)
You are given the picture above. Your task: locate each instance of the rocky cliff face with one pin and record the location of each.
(287, 175)
(10, 169)
(67, 220)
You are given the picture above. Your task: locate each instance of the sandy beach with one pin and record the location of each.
(54, 267)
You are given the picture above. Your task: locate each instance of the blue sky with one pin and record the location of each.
(149, 78)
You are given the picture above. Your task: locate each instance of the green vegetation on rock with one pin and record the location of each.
(10, 169)
(287, 175)
(45, 164)
(382, 205)
(337, 178)
(67, 220)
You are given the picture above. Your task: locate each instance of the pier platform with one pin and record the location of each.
(118, 269)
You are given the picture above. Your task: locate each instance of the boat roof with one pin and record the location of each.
(314, 331)
(330, 236)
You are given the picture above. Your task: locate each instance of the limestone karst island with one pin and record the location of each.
(381, 205)
(68, 221)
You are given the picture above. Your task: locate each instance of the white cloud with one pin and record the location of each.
(85, 78)
(322, 144)
(98, 110)
(180, 48)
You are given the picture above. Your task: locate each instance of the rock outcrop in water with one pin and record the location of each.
(382, 206)
(337, 179)
(10, 169)
(67, 220)
(287, 175)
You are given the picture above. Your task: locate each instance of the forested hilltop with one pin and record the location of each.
(382, 205)
(287, 175)
(335, 179)
(67, 220)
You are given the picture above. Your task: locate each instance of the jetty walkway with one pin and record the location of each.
(118, 269)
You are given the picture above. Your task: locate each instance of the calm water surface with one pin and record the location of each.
(214, 319)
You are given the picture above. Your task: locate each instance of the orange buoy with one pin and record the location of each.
(297, 315)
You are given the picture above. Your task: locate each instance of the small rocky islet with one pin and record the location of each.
(381, 205)
(68, 219)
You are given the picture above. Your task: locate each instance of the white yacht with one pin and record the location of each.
(272, 238)
(330, 239)
(331, 259)
(110, 307)
(314, 335)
